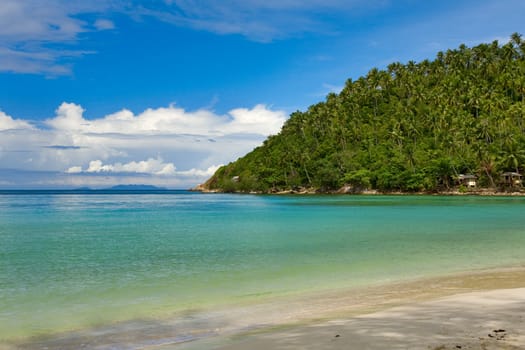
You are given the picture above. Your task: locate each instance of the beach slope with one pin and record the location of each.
(478, 320)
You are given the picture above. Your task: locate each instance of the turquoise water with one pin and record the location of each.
(81, 260)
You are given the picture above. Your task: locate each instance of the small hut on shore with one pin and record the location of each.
(512, 179)
(468, 180)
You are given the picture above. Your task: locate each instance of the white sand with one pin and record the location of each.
(479, 320)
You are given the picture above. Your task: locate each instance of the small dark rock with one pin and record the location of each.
(337, 335)
(499, 330)
(458, 346)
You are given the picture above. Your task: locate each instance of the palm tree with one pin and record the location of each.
(512, 156)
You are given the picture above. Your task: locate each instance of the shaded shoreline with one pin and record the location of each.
(229, 326)
(349, 191)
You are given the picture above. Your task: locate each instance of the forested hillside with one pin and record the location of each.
(411, 127)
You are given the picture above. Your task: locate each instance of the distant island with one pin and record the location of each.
(456, 123)
(137, 187)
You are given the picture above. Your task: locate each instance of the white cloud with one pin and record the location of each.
(64, 180)
(35, 20)
(8, 123)
(69, 117)
(28, 27)
(200, 173)
(258, 120)
(151, 166)
(34, 60)
(31, 30)
(171, 120)
(95, 166)
(74, 170)
(166, 146)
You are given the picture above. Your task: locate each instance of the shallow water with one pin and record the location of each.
(129, 263)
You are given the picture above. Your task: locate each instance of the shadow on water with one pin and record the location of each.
(129, 335)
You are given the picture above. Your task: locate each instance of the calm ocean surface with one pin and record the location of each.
(85, 260)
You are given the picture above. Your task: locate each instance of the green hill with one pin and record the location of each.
(411, 127)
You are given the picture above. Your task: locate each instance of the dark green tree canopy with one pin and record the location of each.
(411, 127)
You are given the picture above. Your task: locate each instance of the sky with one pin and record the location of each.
(163, 92)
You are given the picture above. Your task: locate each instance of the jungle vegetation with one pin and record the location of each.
(409, 127)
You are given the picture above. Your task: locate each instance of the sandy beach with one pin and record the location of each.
(479, 320)
(474, 311)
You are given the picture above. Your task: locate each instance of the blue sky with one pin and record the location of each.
(104, 92)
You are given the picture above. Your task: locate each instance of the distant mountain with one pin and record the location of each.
(136, 188)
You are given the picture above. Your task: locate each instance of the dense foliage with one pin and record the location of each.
(411, 127)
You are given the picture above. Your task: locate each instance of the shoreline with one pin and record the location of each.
(482, 192)
(268, 324)
(459, 302)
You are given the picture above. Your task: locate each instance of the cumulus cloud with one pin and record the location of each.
(8, 123)
(171, 120)
(150, 166)
(74, 170)
(256, 120)
(167, 146)
(69, 117)
(199, 172)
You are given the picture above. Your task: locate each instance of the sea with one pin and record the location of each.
(153, 269)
